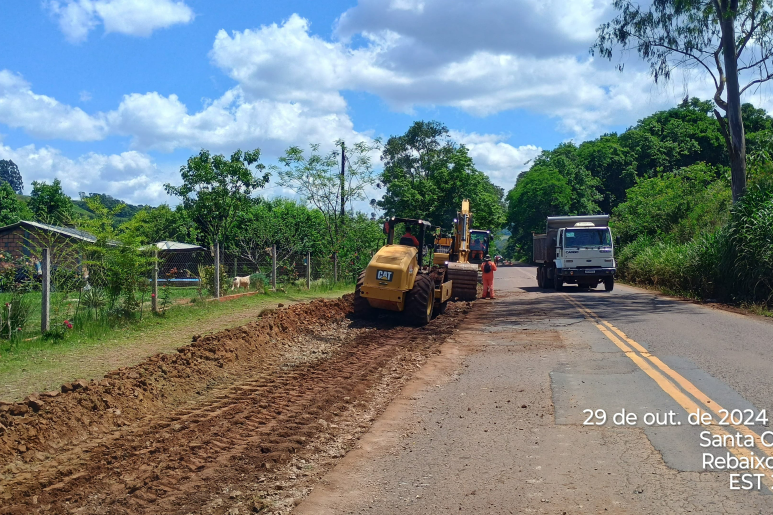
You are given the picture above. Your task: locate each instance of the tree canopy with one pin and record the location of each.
(426, 175)
(215, 189)
(50, 204)
(12, 209)
(679, 149)
(9, 173)
(316, 178)
(730, 40)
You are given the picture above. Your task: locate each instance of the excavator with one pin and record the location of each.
(396, 278)
(460, 254)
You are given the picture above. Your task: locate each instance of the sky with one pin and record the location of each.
(113, 96)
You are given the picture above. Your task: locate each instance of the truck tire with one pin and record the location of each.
(540, 280)
(361, 305)
(558, 283)
(420, 301)
(609, 283)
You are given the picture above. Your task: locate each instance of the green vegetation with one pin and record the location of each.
(12, 207)
(49, 203)
(37, 364)
(666, 182)
(9, 174)
(713, 37)
(216, 189)
(103, 286)
(124, 215)
(426, 175)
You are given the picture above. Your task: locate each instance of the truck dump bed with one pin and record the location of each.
(544, 249)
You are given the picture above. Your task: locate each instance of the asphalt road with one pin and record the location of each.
(497, 422)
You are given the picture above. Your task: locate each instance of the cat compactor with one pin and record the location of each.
(397, 280)
(461, 253)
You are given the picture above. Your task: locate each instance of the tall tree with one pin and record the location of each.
(50, 204)
(538, 193)
(215, 189)
(12, 209)
(427, 175)
(9, 173)
(316, 177)
(729, 39)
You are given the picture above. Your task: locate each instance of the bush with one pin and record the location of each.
(733, 263)
(207, 278)
(259, 282)
(20, 308)
(750, 242)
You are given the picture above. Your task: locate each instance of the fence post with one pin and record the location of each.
(273, 267)
(308, 270)
(335, 267)
(154, 297)
(236, 264)
(217, 269)
(45, 313)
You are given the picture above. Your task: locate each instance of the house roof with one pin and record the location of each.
(173, 246)
(70, 232)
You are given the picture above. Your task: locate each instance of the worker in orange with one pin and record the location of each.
(404, 240)
(488, 268)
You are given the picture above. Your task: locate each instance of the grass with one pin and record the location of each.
(42, 364)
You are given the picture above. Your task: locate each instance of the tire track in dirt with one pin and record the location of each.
(241, 437)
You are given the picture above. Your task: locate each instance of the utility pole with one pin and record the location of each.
(343, 181)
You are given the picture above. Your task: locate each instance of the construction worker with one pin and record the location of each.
(476, 246)
(408, 238)
(488, 268)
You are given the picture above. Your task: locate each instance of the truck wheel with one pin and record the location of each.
(540, 278)
(558, 283)
(361, 305)
(420, 301)
(609, 283)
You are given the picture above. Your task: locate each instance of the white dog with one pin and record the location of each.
(241, 282)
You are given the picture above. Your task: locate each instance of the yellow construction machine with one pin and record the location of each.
(397, 280)
(461, 253)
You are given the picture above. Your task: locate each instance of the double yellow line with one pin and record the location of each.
(674, 384)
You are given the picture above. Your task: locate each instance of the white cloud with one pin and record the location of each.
(130, 176)
(163, 123)
(501, 161)
(133, 17)
(42, 116)
(481, 75)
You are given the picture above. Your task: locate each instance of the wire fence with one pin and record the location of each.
(51, 289)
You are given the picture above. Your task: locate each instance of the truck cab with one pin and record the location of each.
(585, 254)
(575, 250)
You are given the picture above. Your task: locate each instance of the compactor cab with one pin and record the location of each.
(396, 279)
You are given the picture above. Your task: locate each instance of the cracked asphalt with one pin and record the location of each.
(495, 423)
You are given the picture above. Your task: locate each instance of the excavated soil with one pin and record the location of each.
(242, 421)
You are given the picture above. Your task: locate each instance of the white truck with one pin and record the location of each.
(575, 250)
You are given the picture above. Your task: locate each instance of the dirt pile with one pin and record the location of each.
(47, 421)
(258, 410)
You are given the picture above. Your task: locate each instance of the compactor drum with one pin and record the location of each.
(397, 280)
(461, 254)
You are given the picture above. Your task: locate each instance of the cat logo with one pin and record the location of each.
(383, 275)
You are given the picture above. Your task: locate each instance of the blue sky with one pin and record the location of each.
(113, 95)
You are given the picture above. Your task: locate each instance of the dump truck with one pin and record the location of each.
(396, 279)
(575, 250)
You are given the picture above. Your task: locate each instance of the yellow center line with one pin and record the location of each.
(708, 403)
(643, 362)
